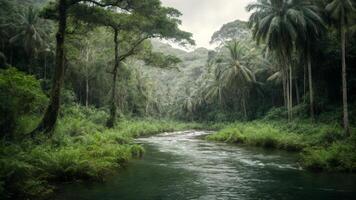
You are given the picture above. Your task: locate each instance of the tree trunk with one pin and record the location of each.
(86, 91)
(11, 56)
(344, 80)
(29, 63)
(87, 79)
(311, 91)
(284, 84)
(50, 117)
(304, 83)
(244, 107)
(45, 67)
(287, 91)
(290, 92)
(297, 92)
(113, 110)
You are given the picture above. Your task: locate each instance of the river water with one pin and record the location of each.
(181, 165)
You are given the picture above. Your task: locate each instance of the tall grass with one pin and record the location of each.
(260, 134)
(321, 146)
(81, 149)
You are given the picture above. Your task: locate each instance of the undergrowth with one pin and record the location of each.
(322, 146)
(81, 148)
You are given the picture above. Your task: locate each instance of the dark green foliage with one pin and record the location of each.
(238, 81)
(80, 149)
(338, 156)
(321, 146)
(20, 95)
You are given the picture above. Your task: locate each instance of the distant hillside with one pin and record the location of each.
(174, 85)
(171, 85)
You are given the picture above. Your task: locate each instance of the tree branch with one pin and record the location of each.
(133, 48)
(98, 3)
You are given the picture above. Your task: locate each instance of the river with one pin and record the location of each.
(181, 165)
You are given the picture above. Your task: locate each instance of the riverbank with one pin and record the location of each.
(322, 146)
(81, 148)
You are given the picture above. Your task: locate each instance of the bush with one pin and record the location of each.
(260, 134)
(339, 156)
(20, 95)
(81, 148)
(322, 146)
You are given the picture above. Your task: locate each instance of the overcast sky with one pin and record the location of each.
(204, 17)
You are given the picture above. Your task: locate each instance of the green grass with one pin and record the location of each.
(259, 134)
(81, 149)
(338, 156)
(321, 146)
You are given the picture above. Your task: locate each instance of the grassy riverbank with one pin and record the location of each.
(322, 146)
(81, 149)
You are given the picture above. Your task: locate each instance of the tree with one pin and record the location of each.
(235, 74)
(313, 25)
(30, 34)
(134, 29)
(279, 23)
(236, 29)
(341, 11)
(59, 10)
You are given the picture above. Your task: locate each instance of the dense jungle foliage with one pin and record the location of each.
(79, 79)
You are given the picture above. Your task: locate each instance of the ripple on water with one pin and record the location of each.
(180, 166)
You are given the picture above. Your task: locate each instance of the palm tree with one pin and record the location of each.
(279, 23)
(30, 34)
(341, 11)
(235, 75)
(313, 27)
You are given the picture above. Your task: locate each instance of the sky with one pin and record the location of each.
(204, 17)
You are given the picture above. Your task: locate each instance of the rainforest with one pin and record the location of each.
(177, 99)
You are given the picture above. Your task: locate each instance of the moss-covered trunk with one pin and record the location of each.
(50, 117)
(113, 110)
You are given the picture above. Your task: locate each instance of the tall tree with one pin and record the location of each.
(341, 11)
(313, 27)
(59, 11)
(30, 34)
(131, 30)
(279, 23)
(236, 74)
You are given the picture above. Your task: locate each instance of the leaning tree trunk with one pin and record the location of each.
(50, 117)
(344, 80)
(113, 110)
(311, 91)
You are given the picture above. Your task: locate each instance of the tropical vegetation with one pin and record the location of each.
(80, 79)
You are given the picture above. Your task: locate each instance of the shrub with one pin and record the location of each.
(260, 134)
(20, 95)
(340, 156)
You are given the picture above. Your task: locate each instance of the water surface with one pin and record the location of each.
(181, 165)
